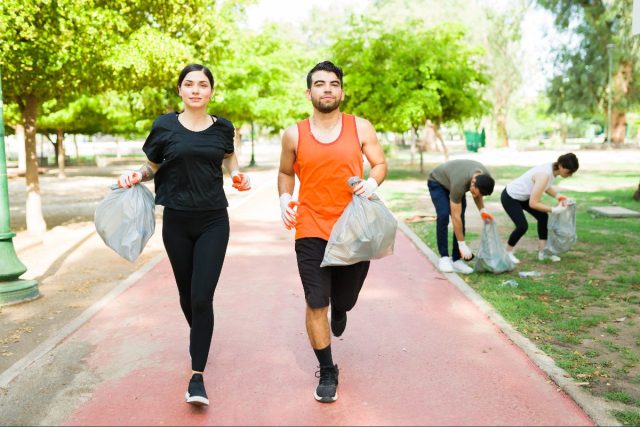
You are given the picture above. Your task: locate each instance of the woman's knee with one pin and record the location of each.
(522, 228)
(201, 305)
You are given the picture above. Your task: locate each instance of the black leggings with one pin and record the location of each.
(515, 209)
(196, 243)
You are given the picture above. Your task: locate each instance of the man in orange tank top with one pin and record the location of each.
(324, 151)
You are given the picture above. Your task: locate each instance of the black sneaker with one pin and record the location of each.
(196, 394)
(327, 390)
(338, 322)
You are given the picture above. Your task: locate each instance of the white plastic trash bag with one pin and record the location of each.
(125, 219)
(562, 231)
(366, 230)
(492, 256)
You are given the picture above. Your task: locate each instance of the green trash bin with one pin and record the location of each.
(472, 140)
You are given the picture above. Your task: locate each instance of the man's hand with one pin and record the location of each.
(288, 208)
(558, 209)
(486, 216)
(241, 181)
(366, 188)
(128, 180)
(465, 252)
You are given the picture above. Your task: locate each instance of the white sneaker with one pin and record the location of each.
(542, 257)
(461, 267)
(513, 258)
(444, 265)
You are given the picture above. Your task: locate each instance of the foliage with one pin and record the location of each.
(263, 79)
(503, 59)
(580, 84)
(400, 77)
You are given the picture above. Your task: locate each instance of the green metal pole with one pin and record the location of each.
(12, 289)
(610, 47)
(253, 152)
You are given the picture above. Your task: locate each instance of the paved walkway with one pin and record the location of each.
(416, 351)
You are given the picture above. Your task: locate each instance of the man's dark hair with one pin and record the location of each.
(195, 67)
(484, 184)
(568, 161)
(325, 66)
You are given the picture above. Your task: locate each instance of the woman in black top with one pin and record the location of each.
(186, 152)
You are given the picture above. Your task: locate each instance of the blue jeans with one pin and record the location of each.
(440, 197)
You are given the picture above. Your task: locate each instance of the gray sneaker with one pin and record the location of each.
(327, 390)
(461, 267)
(542, 256)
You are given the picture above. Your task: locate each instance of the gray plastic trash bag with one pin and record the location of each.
(492, 256)
(366, 230)
(125, 219)
(562, 231)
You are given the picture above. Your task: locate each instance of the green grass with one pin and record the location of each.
(628, 418)
(572, 312)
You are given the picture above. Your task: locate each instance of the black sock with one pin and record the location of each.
(324, 357)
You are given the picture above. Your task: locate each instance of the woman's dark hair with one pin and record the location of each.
(195, 67)
(484, 184)
(568, 161)
(325, 66)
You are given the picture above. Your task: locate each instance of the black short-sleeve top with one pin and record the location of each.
(190, 174)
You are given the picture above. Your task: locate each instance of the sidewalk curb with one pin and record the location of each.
(596, 408)
(14, 370)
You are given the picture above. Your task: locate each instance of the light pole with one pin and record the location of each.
(12, 289)
(253, 156)
(610, 47)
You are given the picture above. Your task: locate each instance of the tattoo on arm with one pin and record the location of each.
(147, 172)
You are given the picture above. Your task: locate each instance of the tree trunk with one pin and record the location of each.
(75, 145)
(501, 129)
(436, 129)
(61, 153)
(22, 157)
(35, 220)
(618, 127)
(237, 142)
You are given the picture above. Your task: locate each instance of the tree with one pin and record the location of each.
(62, 49)
(580, 86)
(262, 80)
(401, 78)
(503, 55)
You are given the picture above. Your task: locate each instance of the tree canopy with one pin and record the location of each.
(400, 77)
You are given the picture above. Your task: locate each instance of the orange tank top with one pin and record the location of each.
(323, 171)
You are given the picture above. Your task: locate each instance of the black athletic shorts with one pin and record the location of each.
(338, 285)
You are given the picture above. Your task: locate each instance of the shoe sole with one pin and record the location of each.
(325, 399)
(196, 400)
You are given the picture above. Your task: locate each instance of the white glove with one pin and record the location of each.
(558, 209)
(128, 180)
(366, 188)
(465, 252)
(288, 208)
(241, 181)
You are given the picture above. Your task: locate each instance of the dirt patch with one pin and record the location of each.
(69, 283)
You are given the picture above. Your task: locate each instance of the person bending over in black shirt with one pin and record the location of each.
(186, 152)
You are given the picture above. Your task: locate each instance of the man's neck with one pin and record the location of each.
(326, 121)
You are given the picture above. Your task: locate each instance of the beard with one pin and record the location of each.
(324, 107)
